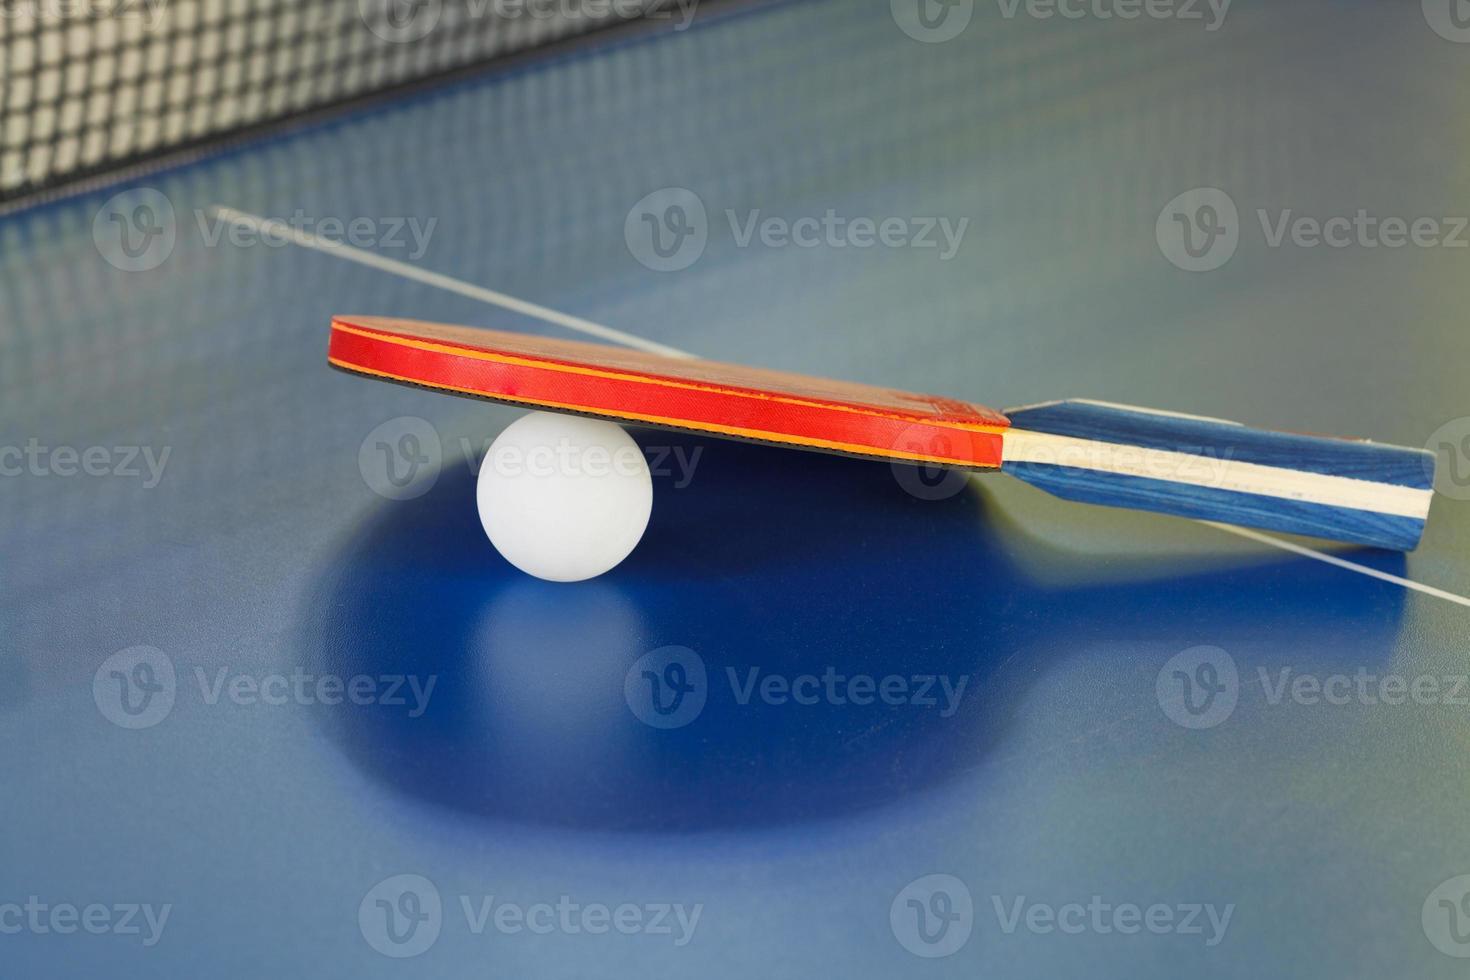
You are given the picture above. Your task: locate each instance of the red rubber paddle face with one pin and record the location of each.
(670, 392)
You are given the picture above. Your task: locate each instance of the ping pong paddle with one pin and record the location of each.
(1095, 452)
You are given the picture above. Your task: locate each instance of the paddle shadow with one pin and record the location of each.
(769, 563)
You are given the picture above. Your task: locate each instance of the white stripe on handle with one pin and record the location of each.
(1217, 472)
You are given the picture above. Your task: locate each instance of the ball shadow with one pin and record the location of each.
(768, 562)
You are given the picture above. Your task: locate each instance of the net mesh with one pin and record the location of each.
(88, 85)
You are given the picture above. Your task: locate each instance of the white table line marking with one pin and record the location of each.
(1351, 566)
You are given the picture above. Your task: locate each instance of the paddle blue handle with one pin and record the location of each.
(1210, 469)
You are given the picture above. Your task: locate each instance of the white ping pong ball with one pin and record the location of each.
(564, 498)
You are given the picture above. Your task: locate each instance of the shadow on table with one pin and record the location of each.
(768, 564)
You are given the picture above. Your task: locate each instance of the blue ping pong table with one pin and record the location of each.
(273, 706)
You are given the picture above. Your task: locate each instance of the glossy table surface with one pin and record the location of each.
(1132, 745)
